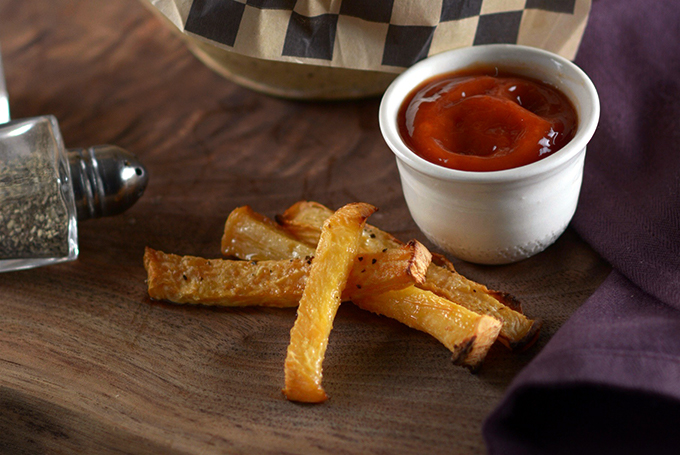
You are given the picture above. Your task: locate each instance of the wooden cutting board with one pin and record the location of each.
(88, 364)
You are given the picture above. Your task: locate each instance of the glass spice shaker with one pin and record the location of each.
(45, 189)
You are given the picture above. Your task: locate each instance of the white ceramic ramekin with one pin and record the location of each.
(501, 216)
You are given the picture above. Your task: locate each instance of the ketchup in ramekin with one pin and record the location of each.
(483, 119)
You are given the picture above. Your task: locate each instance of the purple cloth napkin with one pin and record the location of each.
(609, 380)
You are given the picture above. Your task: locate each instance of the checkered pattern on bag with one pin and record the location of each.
(378, 34)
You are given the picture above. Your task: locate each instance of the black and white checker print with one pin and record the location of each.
(381, 34)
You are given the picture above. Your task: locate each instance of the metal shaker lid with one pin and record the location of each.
(107, 180)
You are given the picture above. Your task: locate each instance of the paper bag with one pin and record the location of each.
(349, 48)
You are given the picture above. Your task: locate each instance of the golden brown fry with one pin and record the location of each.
(518, 331)
(468, 335)
(305, 218)
(318, 212)
(391, 269)
(334, 255)
(189, 279)
(266, 240)
(251, 236)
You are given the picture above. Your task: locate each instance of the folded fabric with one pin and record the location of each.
(609, 380)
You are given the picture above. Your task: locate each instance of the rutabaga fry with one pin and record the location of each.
(388, 270)
(518, 331)
(195, 280)
(251, 236)
(274, 283)
(475, 349)
(304, 218)
(330, 269)
(468, 335)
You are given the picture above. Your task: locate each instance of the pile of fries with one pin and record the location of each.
(314, 259)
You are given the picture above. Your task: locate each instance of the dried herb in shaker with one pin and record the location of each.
(37, 210)
(34, 218)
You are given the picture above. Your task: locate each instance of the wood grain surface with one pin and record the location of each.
(88, 364)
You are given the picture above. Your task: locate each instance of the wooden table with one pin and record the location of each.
(88, 364)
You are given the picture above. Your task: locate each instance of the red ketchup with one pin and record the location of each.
(485, 120)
